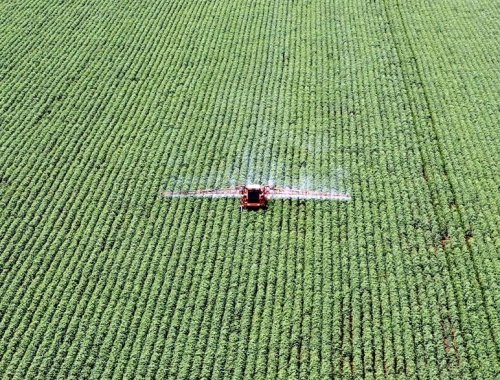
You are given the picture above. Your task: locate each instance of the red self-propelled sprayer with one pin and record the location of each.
(257, 196)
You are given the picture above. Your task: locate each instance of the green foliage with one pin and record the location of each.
(104, 104)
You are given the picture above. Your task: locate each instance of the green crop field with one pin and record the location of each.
(104, 104)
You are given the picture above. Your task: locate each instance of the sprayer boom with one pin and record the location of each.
(280, 193)
(256, 196)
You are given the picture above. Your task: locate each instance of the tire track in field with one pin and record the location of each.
(434, 192)
(431, 191)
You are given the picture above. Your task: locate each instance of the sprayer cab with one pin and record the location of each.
(254, 196)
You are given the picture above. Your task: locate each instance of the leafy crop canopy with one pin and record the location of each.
(106, 103)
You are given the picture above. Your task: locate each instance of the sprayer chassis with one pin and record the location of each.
(254, 196)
